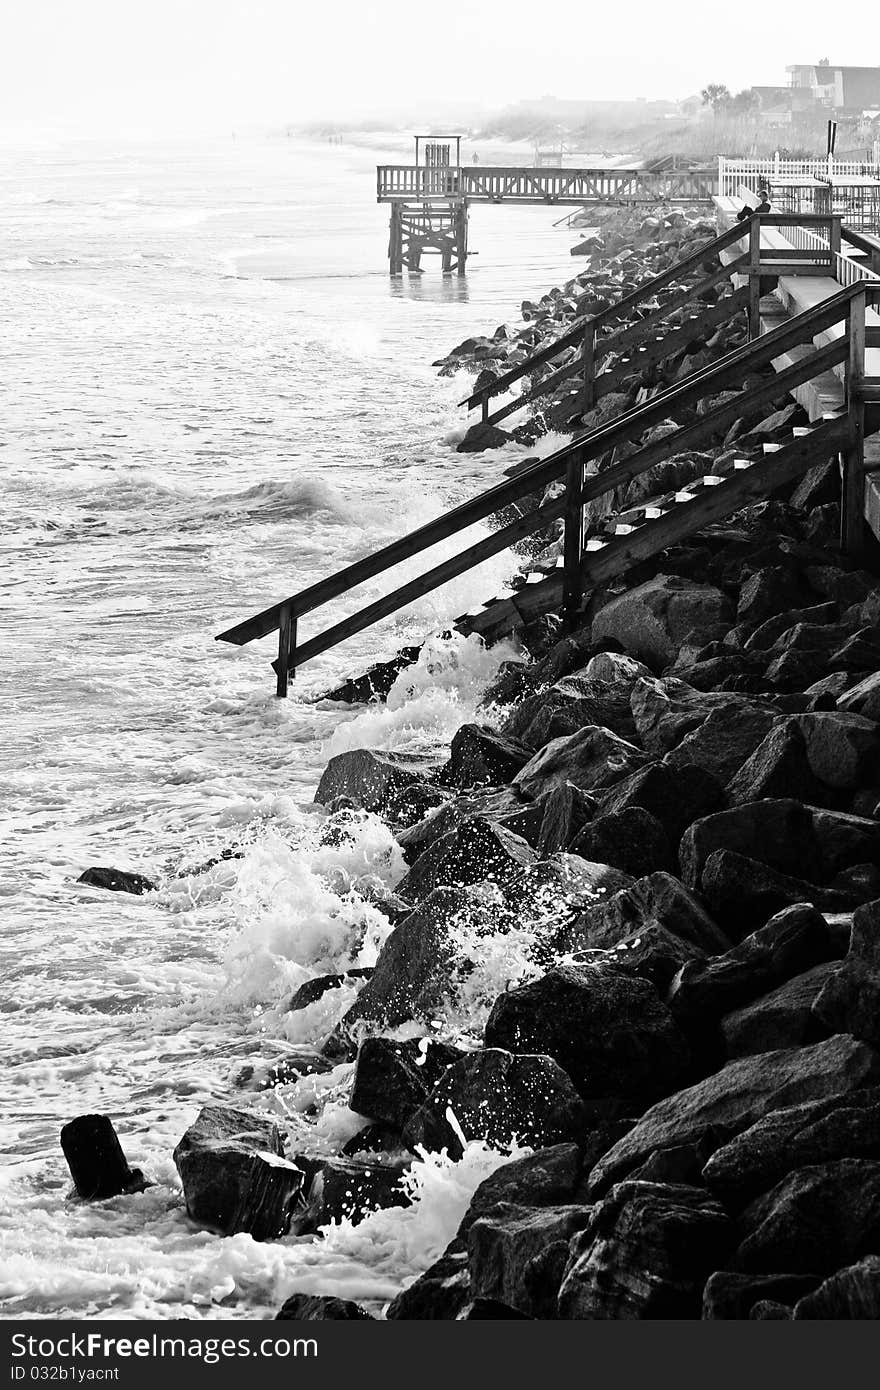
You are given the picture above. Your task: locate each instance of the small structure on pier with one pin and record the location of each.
(437, 225)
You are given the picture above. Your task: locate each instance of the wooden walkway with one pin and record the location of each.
(838, 334)
(530, 186)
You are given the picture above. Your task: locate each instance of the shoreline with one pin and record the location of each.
(634, 857)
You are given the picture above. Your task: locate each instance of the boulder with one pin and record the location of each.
(234, 1173)
(369, 778)
(117, 880)
(850, 1000)
(797, 1136)
(793, 942)
(546, 1178)
(863, 698)
(729, 1296)
(779, 767)
(565, 812)
(481, 437)
(782, 1018)
(590, 759)
(771, 590)
(814, 1221)
(852, 1294)
(776, 832)
(500, 1098)
(652, 621)
(632, 840)
(508, 1251)
(314, 989)
(568, 706)
(306, 1307)
(737, 1096)
(500, 805)
(415, 969)
(349, 1189)
(844, 841)
(392, 1079)
(770, 631)
(665, 710)
(479, 754)
(675, 795)
(646, 1253)
(616, 668)
(657, 899)
(843, 749)
(441, 1293)
(476, 851)
(606, 1028)
(742, 894)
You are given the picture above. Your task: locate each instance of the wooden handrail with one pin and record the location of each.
(588, 446)
(574, 336)
(622, 306)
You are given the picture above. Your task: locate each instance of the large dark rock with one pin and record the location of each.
(843, 750)
(852, 1293)
(479, 754)
(508, 1251)
(234, 1173)
(815, 1221)
(566, 810)
(368, 778)
(646, 1253)
(591, 759)
(665, 710)
(729, 1296)
(632, 840)
(658, 899)
(94, 1156)
(571, 704)
(797, 1136)
(441, 1293)
(739, 1095)
(743, 894)
(546, 1178)
(774, 589)
(306, 1307)
(117, 880)
(606, 1028)
(500, 1098)
(653, 620)
(863, 698)
(782, 1018)
(349, 1189)
(310, 991)
(794, 941)
(477, 851)
(778, 833)
(676, 796)
(850, 1001)
(415, 969)
(499, 805)
(392, 1079)
(779, 767)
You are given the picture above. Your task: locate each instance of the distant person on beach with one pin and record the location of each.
(476, 157)
(763, 205)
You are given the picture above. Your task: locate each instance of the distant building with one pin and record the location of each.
(845, 90)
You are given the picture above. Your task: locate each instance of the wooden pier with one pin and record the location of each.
(430, 197)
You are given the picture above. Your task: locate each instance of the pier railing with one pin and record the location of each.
(569, 463)
(508, 184)
(594, 338)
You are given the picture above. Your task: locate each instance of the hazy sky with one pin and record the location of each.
(110, 64)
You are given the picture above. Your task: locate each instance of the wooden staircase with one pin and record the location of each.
(830, 337)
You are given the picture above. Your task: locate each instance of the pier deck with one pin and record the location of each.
(532, 186)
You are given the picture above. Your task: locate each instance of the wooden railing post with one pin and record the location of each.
(589, 355)
(834, 237)
(852, 500)
(286, 649)
(573, 541)
(754, 278)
